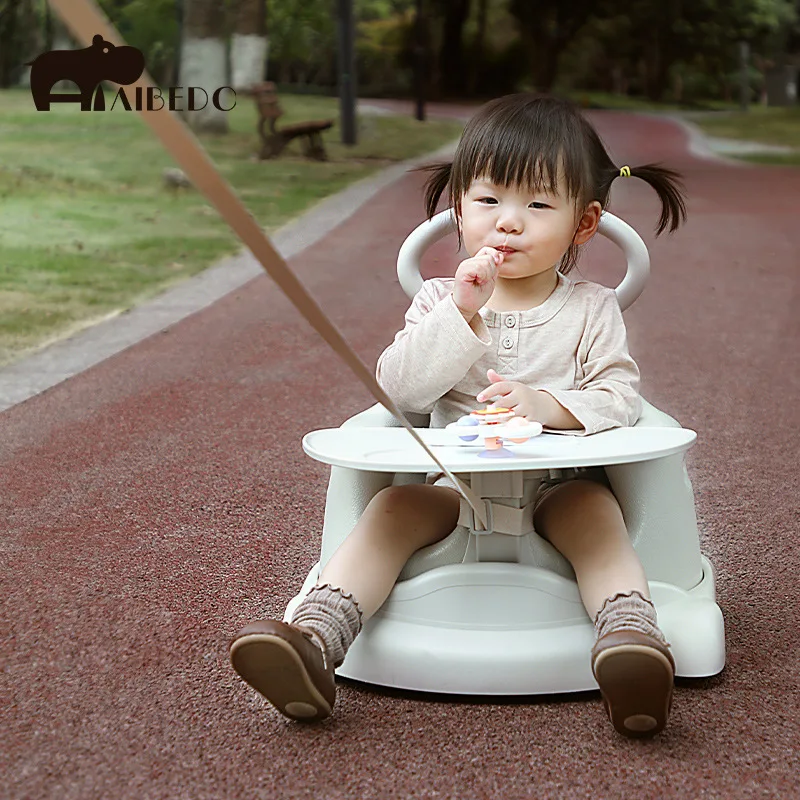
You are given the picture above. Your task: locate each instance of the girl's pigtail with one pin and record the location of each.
(436, 184)
(669, 187)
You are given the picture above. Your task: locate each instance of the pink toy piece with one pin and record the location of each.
(518, 422)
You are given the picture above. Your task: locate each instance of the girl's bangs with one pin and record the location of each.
(520, 152)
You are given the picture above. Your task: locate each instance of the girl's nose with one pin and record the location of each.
(509, 222)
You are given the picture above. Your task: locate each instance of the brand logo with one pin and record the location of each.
(103, 61)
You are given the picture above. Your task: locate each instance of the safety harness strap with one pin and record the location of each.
(85, 20)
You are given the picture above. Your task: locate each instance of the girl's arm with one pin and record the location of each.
(607, 395)
(433, 352)
(607, 390)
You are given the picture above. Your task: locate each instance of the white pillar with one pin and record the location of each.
(248, 59)
(203, 65)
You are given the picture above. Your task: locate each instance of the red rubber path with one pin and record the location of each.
(150, 508)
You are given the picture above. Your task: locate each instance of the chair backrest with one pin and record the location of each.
(613, 228)
(266, 98)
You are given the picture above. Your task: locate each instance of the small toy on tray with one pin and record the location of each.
(495, 425)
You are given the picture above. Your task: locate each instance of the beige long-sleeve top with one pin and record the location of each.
(573, 346)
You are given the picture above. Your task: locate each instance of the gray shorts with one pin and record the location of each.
(546, 485)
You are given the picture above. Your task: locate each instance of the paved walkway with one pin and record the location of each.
(160, 499)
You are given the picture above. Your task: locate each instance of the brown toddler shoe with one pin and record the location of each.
(635, 673)
(285, 664)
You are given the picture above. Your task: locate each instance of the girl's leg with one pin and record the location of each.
(583, 521)
(397, 522)
(292, 664)
(358, 578)
(631, 660)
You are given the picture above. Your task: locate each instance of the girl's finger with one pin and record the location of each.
(495, 390)
(506, 401)
(495, 256)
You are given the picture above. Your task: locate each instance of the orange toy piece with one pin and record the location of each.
(492, 416)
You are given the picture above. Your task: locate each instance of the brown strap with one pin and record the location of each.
(85, 20)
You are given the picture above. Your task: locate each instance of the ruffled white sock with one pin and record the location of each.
(629, 611)
(333, 616)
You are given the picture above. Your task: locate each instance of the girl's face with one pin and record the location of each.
(539, 226)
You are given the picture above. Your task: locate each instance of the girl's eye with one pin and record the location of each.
(538, 205)
(487, 200)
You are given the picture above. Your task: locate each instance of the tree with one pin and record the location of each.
(303, 42)
(8, 39)
(476, 57)
(452, 64)
(677, 32)
(249, 43)
(204, 60)
(20, 39)
(546, 28)
(152, 27)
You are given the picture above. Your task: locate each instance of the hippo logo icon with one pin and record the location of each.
(87, 68)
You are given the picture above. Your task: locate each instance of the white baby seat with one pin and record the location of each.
(499, 614)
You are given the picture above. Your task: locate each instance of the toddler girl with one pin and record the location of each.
(528, 182)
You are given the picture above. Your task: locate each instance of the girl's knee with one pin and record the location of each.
(576, 509)
(579, 495)
(393, 499)
(424, 512)
(414, 497)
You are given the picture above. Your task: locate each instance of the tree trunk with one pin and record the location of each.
(544, 52)
(546, 29)
(204, 62)
(30, 39)
(477, 55)
(249, 44)
(20, 41)
(659, 63)
(451, 55)
(8, 43)
(548, 57)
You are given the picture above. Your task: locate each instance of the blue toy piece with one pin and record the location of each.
(468, 421)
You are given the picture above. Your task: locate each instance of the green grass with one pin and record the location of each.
(779, 126)
(87, 228)
(768, 125)
(776, 159)
(616, 101)
(621, 102)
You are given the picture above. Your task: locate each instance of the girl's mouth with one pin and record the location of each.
(507, 250)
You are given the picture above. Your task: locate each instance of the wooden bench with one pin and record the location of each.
(275, 139)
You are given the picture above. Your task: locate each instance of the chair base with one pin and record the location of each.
(509, 629)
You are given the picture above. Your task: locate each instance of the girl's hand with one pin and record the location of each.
(475, 279)
(521, 399)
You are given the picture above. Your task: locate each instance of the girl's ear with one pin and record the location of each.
(587, 227)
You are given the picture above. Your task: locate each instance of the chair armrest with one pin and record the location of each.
(378, 416)
(652, 417)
